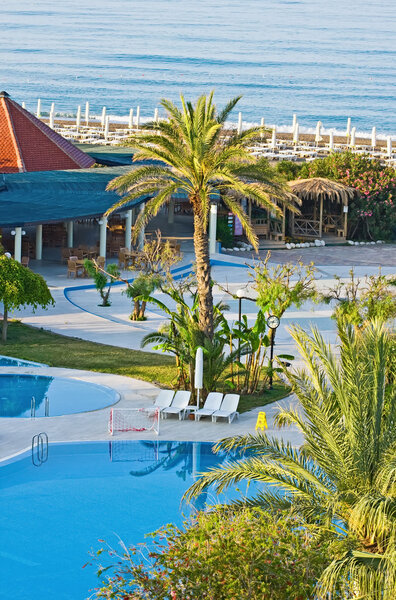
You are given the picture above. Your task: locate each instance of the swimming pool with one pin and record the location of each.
(65, 396)
(9, 361)
(51, 516)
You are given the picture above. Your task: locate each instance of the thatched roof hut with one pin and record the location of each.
(319, 187)
(325, 217)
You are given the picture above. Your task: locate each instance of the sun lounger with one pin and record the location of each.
(164, 399)
(228, 408)
(178, 406)
(212, 403)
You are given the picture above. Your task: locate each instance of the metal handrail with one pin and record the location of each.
(46, 406)
(33, 407)
(39, 449)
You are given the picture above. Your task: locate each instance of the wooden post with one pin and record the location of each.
(320, 216)
(345, 209)
(284, 223)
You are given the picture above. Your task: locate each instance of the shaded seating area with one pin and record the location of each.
(324, 208)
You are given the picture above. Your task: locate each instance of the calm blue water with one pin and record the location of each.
(51, 516)
(65, 396)
(322, 60)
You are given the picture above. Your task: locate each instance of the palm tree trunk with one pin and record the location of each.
(204, 280)
(5, 324)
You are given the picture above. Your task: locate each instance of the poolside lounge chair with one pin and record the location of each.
(164, 399)
(228, 408)
(178, 406)
(212, 403)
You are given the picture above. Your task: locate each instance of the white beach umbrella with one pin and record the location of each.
(296, 133)
(273, 138)
(262, 125)
(24, 105)
(130, 121)
(137, 117)
(106, 128)
(156, 115)
(348, 129)
(318, 137)
(198, 376)
(352, 141)
(52, 107)
(103, 117)
(78, 118)
(87, 113)
(38, 114)
(51, 119)
(373, 137)
(331, 140)
(294, 122)
(239, 129)
(389, 146)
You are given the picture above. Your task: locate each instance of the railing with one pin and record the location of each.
(306, 227)
(33, 407)
(39, 449)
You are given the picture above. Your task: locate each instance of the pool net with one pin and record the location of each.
(134, 419)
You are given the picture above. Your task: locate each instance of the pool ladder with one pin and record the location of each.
(39, 449)
(33, 407)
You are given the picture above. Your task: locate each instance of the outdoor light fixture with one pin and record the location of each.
(100, 222)
(273, 323)
(7, 254)
(13, 232)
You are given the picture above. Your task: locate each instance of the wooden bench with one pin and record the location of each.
(261, 230)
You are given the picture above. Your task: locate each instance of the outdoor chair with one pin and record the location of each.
(25, 261)
(100, 261)
(65, 255)
(164, 399)
(212, 403)
(178, 406)
(74, 269)
(228, 408)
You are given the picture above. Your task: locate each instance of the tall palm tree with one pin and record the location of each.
(194, 157)
(343, 478)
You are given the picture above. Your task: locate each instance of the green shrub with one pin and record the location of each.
(247, 555)
(224, 233)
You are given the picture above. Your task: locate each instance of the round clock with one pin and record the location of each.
(273, 322)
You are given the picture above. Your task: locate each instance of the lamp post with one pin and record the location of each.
(273, 323)
(239, 294)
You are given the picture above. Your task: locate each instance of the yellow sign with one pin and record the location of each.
(261, 421)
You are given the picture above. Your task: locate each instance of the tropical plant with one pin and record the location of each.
(360, 301)
(195, 158)
(140, 288)
(343, 478)
(20, 287)
(102, 279)
(220, 555)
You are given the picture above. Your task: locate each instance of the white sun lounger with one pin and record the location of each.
(164, 399)
(228, 408)
(212, 403)
(178, 406)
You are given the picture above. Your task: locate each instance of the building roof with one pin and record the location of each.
(27, 144)
(51, 196)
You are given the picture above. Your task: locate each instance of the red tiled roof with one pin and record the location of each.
(27, 144)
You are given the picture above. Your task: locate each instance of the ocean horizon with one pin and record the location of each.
(321, 61)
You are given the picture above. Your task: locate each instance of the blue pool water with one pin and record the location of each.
(65, 396)
(51, 516)
(8, 361)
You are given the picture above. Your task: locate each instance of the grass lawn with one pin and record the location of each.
(56, 350)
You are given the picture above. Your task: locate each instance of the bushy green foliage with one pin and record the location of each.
(103, 279)
(288, 169)
(20, 287)
(220, 555)
(224, 233)
(372, 212)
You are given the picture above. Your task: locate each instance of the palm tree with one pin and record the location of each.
(193, 156)
(343, 478)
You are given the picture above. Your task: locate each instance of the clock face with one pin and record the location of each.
(273, 322)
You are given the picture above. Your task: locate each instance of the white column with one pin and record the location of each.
(18, 244)
(212, 229)
(373, 137)
(137, 117)
(24, 105)
(51, 119)
(69, 234)
(171, 211)
(389, 146)
(128, 229)
(141, 232)
(103, 236)
(331, 140)
(294, 121)
(155, 115)
(239, 123)
(348, 129)
(39, 242)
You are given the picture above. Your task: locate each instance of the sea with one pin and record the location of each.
(322, 60)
